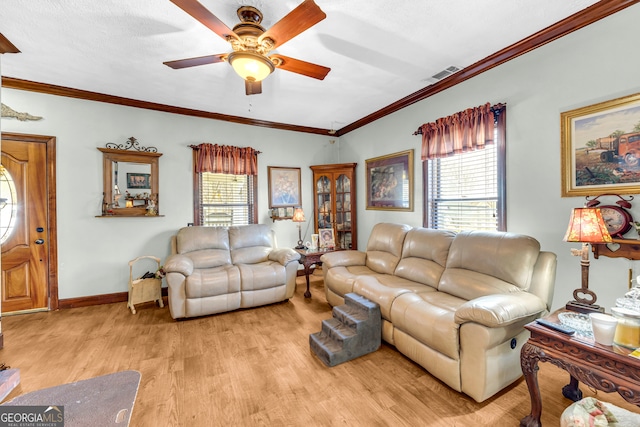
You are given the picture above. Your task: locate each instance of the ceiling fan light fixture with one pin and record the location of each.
(250, 66)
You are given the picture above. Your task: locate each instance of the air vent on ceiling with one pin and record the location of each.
(442, 74)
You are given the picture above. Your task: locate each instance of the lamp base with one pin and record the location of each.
(300, 245)
(581, 307)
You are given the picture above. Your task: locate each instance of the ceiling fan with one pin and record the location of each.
(252, 44)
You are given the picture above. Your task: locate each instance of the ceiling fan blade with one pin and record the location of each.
(252, 88)
(206, 18)
(194, 62)
(302, 67)
(305, 16)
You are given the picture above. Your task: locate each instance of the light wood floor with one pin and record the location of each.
(252, 367)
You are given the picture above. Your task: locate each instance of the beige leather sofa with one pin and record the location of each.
(454, 303)
(217, 269)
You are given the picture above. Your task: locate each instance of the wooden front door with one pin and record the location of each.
(25, 227)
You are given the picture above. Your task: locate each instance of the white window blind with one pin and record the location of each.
(226, 199)
(463, 191)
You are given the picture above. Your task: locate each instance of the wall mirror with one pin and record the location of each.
(130, 180)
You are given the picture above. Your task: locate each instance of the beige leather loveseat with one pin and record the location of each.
(217, 269)
(454, 303)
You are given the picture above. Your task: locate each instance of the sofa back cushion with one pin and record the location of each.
(206, 246)
(384, 247)
(484, 263)
(250, 244)
(424, 255)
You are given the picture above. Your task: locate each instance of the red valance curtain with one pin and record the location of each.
(225, 159)
(467, 130)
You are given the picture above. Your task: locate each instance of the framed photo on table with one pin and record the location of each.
(390, 182)
(326, 238)
(284, 187)
(600, 148)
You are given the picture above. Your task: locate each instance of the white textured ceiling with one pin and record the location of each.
(379, 51)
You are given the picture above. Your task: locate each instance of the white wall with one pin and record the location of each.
(94, 252)
(589, 66)
(594, 64)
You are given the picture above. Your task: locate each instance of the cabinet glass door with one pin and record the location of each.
(323, 201)
(343, 212)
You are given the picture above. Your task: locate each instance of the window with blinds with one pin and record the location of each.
(226, 199)
(463, 191)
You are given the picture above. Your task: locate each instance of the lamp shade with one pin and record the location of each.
(587, 225)
(298, 215)
(250, 66)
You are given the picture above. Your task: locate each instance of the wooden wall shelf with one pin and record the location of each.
(619, 248)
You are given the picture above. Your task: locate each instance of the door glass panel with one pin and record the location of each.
(8, 204)
(323, 195)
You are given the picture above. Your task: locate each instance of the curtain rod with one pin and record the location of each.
(197, 147)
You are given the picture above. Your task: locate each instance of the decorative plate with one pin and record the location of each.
(580, 322)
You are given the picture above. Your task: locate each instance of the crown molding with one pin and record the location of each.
(585, 17)
(31, 86)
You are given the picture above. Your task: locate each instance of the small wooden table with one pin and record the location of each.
(308, 258)
(605, 368)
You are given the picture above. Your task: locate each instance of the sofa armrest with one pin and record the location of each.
(284, 255)
(343, 258)
(500, 309)
(178, 264)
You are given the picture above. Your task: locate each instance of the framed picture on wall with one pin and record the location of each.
(390, 182)
(284, 187)
(138, 180)
(600, 148)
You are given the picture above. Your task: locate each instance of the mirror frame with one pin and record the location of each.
(109, 156)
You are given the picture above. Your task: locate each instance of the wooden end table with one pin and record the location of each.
(309, 257)
(606, 368)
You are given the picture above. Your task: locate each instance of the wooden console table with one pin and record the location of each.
(609, 369)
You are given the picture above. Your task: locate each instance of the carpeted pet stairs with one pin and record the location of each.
(354, 330)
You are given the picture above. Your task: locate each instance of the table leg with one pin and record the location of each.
(529, 357)
(307, 268)
(571, 390)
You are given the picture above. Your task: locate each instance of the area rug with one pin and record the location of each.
(102, 401)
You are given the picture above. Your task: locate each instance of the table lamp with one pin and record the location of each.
(298, 216)
(587, 226)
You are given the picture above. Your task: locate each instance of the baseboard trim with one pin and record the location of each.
(97, 300)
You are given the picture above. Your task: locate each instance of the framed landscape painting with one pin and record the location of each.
(390, 182)
(600, 148)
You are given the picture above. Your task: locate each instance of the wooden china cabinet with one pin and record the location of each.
(334, 202)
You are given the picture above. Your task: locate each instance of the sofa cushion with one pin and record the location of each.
(212, 282)
(262, 275)
(250, 244)
(384, 247)
(383, 289)
(341, 279)
(429, 318)
(424, 255)
(206, 246)
(483, 263)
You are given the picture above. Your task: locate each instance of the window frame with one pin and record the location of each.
(197, 199)
(501, 177)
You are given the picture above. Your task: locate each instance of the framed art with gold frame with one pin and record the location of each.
(600, 148)
(390, 182)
